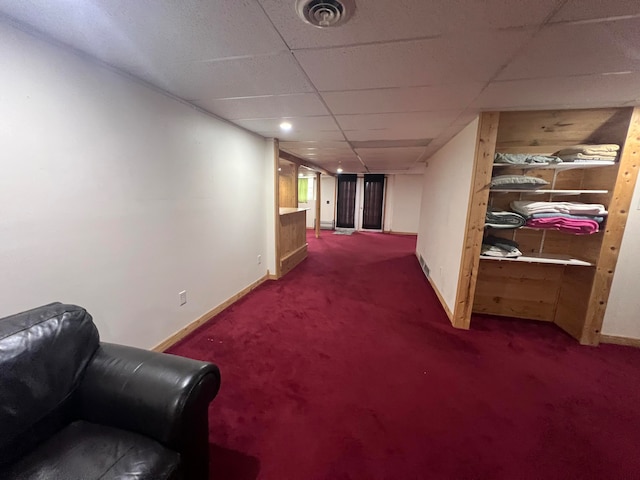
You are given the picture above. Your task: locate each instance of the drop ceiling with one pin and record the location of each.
(381, 93)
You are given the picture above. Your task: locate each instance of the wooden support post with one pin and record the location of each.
(478, 198)
(276, 179)
(616, 222)
(318, 204)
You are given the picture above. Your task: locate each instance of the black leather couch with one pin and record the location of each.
(72, 408)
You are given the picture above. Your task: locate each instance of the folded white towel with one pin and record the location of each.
(528, 208)
(578, 157)
(589, 149)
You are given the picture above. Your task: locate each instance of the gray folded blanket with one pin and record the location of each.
(524, 158)
(503, 219)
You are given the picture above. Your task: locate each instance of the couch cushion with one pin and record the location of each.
(43, 354)
(87, 451)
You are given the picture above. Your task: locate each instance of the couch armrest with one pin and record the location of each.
(162, 396)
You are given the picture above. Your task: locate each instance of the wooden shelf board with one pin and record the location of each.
(546, 192)
(557, 166)
(542, 258)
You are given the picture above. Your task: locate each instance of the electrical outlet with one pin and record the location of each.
(259, 259)
(183, 297)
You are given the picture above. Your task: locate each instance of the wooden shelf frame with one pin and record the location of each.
(573, 292)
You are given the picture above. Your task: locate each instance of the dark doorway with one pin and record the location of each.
(373, 197)
(346, 200)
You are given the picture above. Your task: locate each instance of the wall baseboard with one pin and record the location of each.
(438, 294)
(441, 298)
(626, 341)
(183, 332)
(392, 232)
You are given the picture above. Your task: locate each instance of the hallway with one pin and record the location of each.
(362, 377)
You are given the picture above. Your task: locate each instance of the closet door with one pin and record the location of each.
(373, 202)
(346, 201)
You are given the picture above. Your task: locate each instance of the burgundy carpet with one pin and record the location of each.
(349, 369)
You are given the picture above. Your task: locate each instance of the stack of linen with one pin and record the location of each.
(525, 159)
(569, 217)
(589, 153)
(503, 219)
(499, 247)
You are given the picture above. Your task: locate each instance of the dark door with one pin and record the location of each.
(373, 196)
(346, 200)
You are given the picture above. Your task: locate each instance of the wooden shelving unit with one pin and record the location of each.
(560, 278)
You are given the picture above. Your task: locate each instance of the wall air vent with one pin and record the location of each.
(325, 13)
(424, 266)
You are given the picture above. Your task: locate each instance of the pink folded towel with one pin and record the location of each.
(568, 225)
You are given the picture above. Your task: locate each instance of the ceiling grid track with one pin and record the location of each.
(316, 91)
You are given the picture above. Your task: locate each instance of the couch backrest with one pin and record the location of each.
(43, 354)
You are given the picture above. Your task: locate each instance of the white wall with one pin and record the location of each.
(311, 204)
(403, 200)
(327, 194)
(622, 318)
(116, 197)
(443, 215)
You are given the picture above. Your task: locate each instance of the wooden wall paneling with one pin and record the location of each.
(614, 230)
(293, 240)
(296, 192)
(559, 128)
(528, 240)
(478, 197)
(518, 289)
(288, 184)
(584, 247)
(601, 177)
(293, 259)
(572, 299)
(293, 232)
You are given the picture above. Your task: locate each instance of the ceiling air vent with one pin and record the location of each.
(325, 13)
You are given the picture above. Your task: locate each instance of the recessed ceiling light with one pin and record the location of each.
(339, 170)
(285, 126)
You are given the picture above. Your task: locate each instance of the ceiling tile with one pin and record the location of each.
(581, 10)
(382, 20)
(315, 144)
(414, 99)
(149, 34)
(348, 167)
(395, 126)
(390, 154)
(323, 123)
(568, 92)
(474, 56)
(266, 75)
(385, 165)
(302, 135)
(267, 106)
(578, 49)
